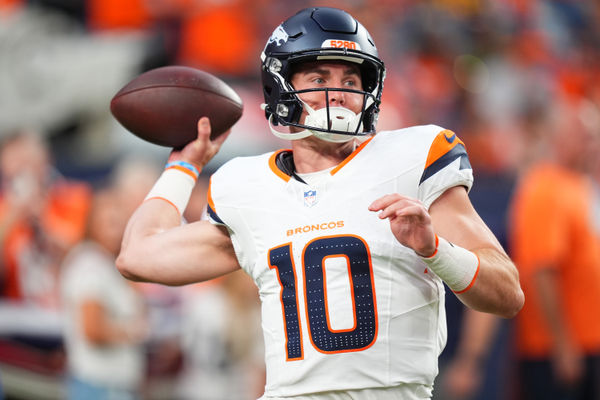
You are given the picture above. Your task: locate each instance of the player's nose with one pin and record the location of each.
(336, 97)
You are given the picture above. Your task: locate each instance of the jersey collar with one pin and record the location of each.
(281, 162)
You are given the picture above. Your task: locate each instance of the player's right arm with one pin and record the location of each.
(157, 248)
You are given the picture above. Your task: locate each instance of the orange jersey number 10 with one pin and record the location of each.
(324, 339)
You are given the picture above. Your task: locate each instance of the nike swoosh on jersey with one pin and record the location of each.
(450, 138)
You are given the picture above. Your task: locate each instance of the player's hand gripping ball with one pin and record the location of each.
(163, 105)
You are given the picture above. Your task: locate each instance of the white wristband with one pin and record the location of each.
(174, 186)
(456, 266)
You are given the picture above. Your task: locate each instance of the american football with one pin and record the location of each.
(163, 105)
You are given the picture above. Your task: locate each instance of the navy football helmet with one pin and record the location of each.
(315, 34)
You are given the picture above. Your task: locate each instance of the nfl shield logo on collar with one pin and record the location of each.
(310, 198)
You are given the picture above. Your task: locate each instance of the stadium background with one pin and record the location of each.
(484, 69)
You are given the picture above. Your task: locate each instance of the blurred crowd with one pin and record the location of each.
(485, 69)
(517, 80)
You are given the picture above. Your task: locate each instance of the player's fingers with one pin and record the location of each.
(402, 207)
(203, 128)
(412, 210)
(383, 202)
(412, 216)
(387, 200)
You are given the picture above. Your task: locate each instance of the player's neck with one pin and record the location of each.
(312, 154)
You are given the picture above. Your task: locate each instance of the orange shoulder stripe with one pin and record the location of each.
(442, 144)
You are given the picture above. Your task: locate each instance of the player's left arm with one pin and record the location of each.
(479, 270)
(496, 287)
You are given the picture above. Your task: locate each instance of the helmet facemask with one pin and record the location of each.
(330, 123)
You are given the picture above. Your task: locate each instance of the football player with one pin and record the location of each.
(349, 236)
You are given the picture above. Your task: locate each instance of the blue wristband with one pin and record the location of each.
(178, 164)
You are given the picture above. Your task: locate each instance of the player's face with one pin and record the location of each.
(329, 75)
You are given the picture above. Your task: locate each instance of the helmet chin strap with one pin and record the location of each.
(288, 135)
(342, 119)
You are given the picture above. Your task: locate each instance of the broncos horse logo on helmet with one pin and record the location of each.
(315, 34)
(279, 36)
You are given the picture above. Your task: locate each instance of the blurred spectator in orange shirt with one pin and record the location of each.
(556, 248)
(157, 22)
(220, 37)
(131, 14)
(41, 216)
(117, 14)
(217, 36)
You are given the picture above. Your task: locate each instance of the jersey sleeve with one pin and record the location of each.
(447, 165)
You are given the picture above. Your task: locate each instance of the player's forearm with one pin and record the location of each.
(496, 289)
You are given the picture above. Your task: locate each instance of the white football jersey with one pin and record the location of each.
(344, 305)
